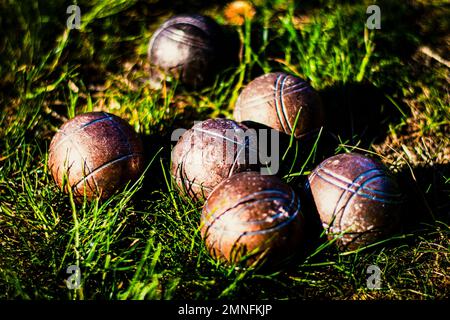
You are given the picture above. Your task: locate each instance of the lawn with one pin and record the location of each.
(385, 92)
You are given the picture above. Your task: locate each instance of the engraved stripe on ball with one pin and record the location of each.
(250, 199)
(118, 127)
(278, 226)
(106, 164)
(280, 105)
(349, 191)
(283, 107)
(114, 124)
(66, 136)
(362, 186)
(346, 192)
(275, 99)
(262, 231)
(251, 233)
(217, 135)
(75, 146)
(193, 183)
(197, 21)
(342, 179)
(185, 39)
(184, 179)
(242, 207)
(344, 208)
(236, 158)
(298, 87)
(347, 181)
(388, 197)
(183, 175)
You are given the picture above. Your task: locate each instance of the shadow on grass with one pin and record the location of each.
(428, 195)
(358, 112)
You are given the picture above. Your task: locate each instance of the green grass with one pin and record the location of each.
(144, 242)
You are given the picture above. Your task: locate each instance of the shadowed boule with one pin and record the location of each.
(97, 152)
(276, 100)
(253, 216)
(356, 198)
(187, 48)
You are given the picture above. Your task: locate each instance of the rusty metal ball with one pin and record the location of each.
(209, 152)
(253, 219)
(358, 201)
(97, 153)
(275, 100)
(187, 48)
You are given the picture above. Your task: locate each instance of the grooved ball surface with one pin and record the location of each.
(275, 99)
(208, 153)
(98, 152)
(252, 213)
(356, 195)
(186, 47)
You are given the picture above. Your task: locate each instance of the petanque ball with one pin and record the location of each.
(357, 199)
(253, 219)
(185, 48)
(282, 102)
(95, 154)
(208, 153)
